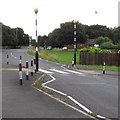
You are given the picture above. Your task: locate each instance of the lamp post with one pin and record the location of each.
(36, 54)
(75, 39)
(30, 41)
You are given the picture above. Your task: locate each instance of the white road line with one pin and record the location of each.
(53, 79)
(13, 56)
(86, 109)
(74, 72)
(59, 71)
(63, 66)
(45, 71)
(56, 90)
(65, 104)
(99, 116)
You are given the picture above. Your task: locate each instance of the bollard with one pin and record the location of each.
(73, 62)
(7, 59)
(35, 65)
(27, 70)
(20, 59)
(104, 67)
(20, 73)
(31, 67)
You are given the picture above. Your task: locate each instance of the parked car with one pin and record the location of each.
(49, 48)
(64, 48)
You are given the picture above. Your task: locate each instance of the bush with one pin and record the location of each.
(95, 50)
(107, 45)
(101, 40)
(117, 46)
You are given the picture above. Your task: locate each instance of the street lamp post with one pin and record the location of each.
(30, 41)
(75, 39)
(36, 54)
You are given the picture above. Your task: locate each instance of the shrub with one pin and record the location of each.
(91, 49)
(101, 40)
(107, 45)
(95, 50)
(117, 46)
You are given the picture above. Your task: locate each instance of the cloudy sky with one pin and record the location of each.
(20, 13)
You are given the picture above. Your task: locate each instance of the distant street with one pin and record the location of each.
(95, 92)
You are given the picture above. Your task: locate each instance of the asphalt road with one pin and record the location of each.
(25, 101)
(98, 93)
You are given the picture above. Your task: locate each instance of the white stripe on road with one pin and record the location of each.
(59, 71)
(53, 79)
(74, 72)
(55, 90)
(45, 71)
(65, 103)
(13, 56)
(86, 109)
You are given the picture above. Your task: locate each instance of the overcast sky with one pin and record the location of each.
(20, 13)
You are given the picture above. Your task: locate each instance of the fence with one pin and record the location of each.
(111, 59)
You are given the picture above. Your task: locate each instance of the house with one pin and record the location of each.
(89, 43)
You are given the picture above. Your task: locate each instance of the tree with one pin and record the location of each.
(116, 35)
(8, 37)
(101, 40)
(55, 39)
(20, 36)
(64, 35)
(40, 41)
(95, 31)
(107, 45)
(14, 37)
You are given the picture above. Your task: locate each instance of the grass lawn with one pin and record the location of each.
(65, 57)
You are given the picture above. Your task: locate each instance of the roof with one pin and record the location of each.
(90, 41)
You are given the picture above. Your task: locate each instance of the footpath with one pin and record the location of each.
(93, 71)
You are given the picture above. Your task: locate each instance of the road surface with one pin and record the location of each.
(96, 92)
(25, 101)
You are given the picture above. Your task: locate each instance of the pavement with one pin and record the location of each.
(93, 71)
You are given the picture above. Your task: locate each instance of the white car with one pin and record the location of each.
(64, 48)
(49, 48)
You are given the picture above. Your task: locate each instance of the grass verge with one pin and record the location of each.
(65, 57)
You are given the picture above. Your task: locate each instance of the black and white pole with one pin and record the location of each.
(20, 59)
(34, 65)
(36, 54)
(7, 59)
(30, 40)
(104, 64)
(32, 68)
(20, 73)
(27, 70)
(75, 39)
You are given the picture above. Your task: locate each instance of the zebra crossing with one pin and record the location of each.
(61, 72)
